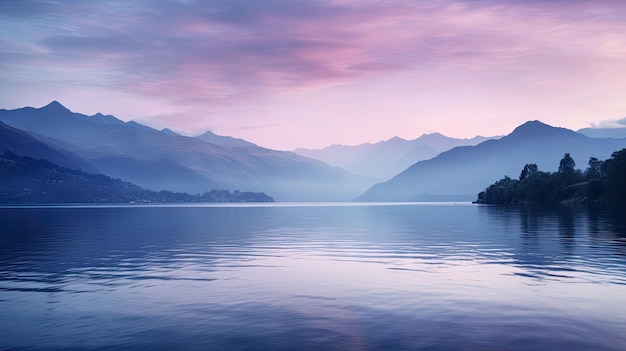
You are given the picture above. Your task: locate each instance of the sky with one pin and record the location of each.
(311, 73)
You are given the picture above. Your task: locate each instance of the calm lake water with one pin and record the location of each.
(312, 277)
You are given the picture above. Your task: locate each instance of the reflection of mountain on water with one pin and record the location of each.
(119, 242)
(557, 241)
(150, 275)
(546, 240)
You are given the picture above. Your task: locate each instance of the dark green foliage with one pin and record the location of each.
(567, 173)
(503, 191)
(602, 181)
(535, 188)
(595, 190)
(594, 171)
(615, 169)
(567, 164)
(25, 180)
(529, 169)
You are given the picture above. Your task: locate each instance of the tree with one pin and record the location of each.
(594, 171)
(615, 168)
(567, 165)
(567, 174)
(501, 192)
(529, 169)
(602, 182)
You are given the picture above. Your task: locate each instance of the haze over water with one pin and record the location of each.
(311, 277)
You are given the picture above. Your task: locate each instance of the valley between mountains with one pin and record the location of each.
(432, 167)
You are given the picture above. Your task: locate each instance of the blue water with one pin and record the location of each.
(312, 277)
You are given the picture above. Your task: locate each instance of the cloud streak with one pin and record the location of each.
(209, 54)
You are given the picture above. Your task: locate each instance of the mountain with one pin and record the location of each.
(385, 159)
(460, 173)
(99, 141)
(142, 154)
(224, 141)
(169, 132)
(25, 180)
(604, 132)
(22, 143)
(153, 174)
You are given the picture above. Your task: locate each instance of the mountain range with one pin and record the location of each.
(26, 180)
(460, 173)
(385, 159)
(22, 143)
(619, 132)
(162, 159)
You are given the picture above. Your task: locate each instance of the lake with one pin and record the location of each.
(312, 277)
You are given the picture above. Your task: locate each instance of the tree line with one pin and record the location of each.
(603, 181)
(25, 180)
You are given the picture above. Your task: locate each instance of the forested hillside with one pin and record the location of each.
(25, 180)
(601, 182)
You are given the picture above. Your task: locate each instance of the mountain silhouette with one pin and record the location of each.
(154, 174)
(22, 143)
(385, 159)
(26, 180)
(224, 141)
(619, 132)
(55, 106)
(141, 154)
(460, 173)
(539, 130)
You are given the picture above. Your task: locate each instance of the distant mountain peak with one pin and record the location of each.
(535, 124)
(54, 106)
(106, 119)
(396, 139)
(224, 141)
(433, 137)
(208, 133)
(537, 128)
(614, 132)
(169, 132)
(435, 134)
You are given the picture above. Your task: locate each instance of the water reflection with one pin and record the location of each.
(599, 222)
(430, 277)
(570, 242)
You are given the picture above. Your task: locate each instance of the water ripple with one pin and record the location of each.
(362, 277)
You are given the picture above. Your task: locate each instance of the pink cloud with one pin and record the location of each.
(217, 56)
(272, 48)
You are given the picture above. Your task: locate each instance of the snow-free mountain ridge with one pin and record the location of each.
(161, 160)
(22, 143)
(460, 173)
(385, 159)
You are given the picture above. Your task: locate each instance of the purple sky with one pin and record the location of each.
(310, 73)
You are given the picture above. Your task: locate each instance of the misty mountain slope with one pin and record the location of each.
(56, 121)
(224, 141)
(284, 175)
(126, 150)
(462, 172)
(385, 159)
(24, 144)
(287, 172)
(25, 180)
(97, 134)
(604, 132)
(154, 174)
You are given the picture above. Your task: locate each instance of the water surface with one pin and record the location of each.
(312, 277)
